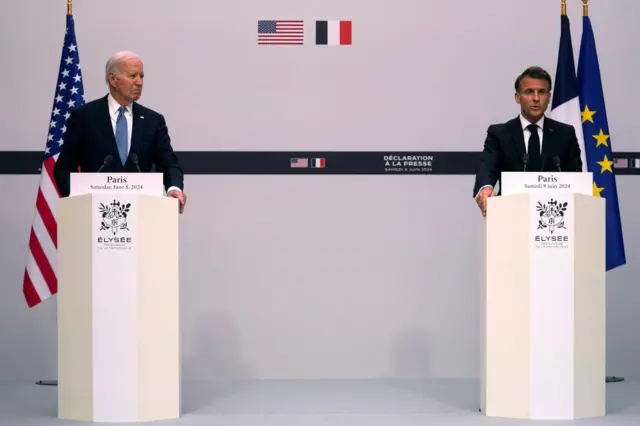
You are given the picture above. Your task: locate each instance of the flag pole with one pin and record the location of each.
(585, 13)
(55, 382)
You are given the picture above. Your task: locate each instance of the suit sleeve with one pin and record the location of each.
(166, 160)
(574, 162)
(488, 171)
(70, 154)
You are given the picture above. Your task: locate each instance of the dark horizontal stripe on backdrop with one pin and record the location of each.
(316, 163)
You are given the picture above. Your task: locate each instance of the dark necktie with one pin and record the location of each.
(535, 162)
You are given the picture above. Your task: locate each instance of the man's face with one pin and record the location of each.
(128, 83)
(533, 97)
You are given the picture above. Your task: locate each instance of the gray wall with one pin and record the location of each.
(318, 276)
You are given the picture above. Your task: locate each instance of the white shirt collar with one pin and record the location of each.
(114, 106)
(524, 122)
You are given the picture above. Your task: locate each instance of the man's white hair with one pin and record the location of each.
(113, 64)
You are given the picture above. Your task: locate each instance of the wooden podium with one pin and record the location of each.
(118, 300)
(543, 304)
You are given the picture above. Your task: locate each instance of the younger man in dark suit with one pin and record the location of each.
(136, 137)
(540, 138)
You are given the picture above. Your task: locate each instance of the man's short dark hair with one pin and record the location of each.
(533, 72)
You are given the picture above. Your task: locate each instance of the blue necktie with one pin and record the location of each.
(121, 135)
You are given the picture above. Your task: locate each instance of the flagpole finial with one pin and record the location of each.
(563, 9)
(585, 7)
(69, 7)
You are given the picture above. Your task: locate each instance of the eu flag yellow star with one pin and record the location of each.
(601, 138)
(597, 190)
(605, 164)
(587, 115)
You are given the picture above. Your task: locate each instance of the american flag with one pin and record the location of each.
(299, 163)
(280, 32)
(40, 280)
(621, 163)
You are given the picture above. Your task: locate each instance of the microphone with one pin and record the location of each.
(525, 160)
(556, 161)
(134, 158)
(108, 159)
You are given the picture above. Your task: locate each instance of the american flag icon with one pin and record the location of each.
(299, 163)
(621, 163)
(280, 32)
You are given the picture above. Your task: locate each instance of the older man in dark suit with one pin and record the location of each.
(116, 125)
(529, 142)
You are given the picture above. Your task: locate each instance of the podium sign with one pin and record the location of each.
(543, 307)
(125, 183)
(532, 182)
(118, 305)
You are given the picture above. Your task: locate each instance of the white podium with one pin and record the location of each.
(543, 310)
(118, 301)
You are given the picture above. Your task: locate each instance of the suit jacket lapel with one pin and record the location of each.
(518, 138)
(137, 129)
(547, 143)
(104, 122)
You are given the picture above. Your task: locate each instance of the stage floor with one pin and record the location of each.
(320, 402)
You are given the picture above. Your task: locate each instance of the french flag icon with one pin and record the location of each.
(318, 163)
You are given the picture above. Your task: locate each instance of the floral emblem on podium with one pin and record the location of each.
(551, 215)
(114, 216)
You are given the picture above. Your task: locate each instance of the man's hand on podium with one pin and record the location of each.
(481, 199)
(181, 196)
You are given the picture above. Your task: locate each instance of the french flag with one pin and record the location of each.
(317, 163)
(566, 103)
(333, 33)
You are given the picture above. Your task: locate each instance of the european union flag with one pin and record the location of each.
(597, 142)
